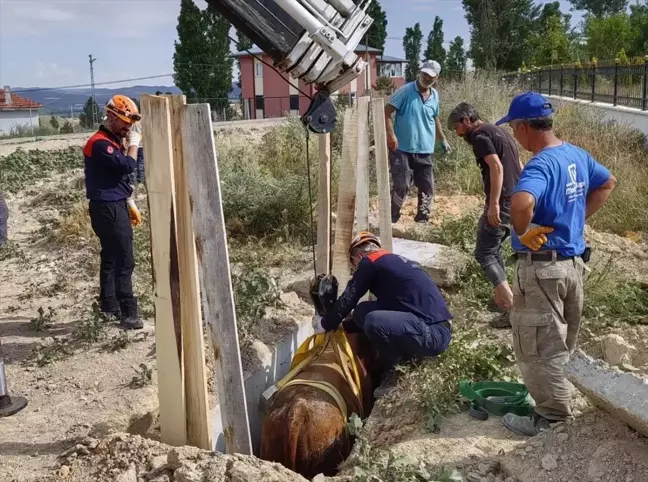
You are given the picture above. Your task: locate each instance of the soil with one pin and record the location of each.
(128, 458)
(85, 390)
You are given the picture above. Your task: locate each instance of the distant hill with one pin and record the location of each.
(60, 101)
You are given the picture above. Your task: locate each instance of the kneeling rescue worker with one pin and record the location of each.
(409, 319)
(112, 211)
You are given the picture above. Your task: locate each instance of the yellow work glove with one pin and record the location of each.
(535, 237)
(133, 213)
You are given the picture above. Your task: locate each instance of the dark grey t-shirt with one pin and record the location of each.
(490, 139)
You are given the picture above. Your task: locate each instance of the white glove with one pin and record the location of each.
(134, 138)
(447, 148)
(317, 325)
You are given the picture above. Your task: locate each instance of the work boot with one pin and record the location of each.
(131, 323)
(421, 219)
(387, 384)
(527, 426)
(130, 319)
(501, 321)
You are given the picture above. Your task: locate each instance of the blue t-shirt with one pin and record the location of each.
(414, 125)
(560, 178)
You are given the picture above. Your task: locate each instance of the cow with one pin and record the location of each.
(304, 428)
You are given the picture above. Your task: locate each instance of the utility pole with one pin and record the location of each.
(92, 86)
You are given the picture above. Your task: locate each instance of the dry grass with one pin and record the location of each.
(620, 148)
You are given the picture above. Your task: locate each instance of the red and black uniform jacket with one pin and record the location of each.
(107, 168)
(398, 285)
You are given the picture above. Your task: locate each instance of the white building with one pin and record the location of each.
(17, 112)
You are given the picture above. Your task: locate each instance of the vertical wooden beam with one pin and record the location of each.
(346, 198)
(156, 130)
(382, 173)
(362, 186)
(211, 243)
(195, 376)
(323, 258)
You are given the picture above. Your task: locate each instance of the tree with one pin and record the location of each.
(377, 33)
(456, 61)
(607, 36)
(384, 85)
(412, 46)
(500, 31)
(85, 118)
(435, 50)
(600, 8)
(202, 62)
(551, 40)
(54, 123)
(220, 57)
(639, 23)
(67, 128)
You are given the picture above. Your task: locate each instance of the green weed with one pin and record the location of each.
(377, 465)
(46, 354)
(434, 384)
(93, 327)
(143, 377)
(44, 320)
(22, 168)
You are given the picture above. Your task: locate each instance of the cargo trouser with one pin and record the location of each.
(547, 308)
(400, 336)
(407, 169)
(112, 225)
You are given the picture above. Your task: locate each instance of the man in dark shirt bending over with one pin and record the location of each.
(409, 318)
(497, 157)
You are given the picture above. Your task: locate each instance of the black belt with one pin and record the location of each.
(543, 256)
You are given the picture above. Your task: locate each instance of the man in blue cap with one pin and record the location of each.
(559, 188)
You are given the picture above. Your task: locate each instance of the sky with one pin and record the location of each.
(46, 43)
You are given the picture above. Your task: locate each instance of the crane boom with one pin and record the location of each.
(312, 40)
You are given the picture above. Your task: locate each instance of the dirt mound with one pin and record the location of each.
(594, 447)
(131, 458)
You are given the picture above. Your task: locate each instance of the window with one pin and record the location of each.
(260, 102)
(294, 102)
(258, 69)
(391, 70)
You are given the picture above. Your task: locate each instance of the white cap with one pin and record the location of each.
(431, 67)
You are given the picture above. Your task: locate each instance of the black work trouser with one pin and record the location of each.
(4, 216)
(409, 169)
(112, 225)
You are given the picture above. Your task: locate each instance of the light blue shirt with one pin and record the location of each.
(560, 178)
(414, 125)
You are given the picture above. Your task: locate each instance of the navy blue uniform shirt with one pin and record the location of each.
(398, 285)
(107, 168)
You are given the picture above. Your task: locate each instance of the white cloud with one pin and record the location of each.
(52, 70)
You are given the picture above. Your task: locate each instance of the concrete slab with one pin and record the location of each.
(623, 395)
(443, 264)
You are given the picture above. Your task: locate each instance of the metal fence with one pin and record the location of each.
(618, 84)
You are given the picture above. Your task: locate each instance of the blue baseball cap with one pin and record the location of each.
(529, 105)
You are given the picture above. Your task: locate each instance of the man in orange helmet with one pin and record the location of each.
(409, 319)
(112, 211)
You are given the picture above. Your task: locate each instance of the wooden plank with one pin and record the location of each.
(211, 243)
(346, 198)
(195, 371)
(382, 173)
(323, 258)
(362, 179)
(156, 131)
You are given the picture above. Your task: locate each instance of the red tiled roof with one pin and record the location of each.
(17, 102)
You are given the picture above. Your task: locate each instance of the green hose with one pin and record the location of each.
(498, 398)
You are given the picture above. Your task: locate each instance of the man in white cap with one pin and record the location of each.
(411, 139)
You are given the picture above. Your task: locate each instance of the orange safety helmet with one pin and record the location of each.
(363, 237)
(124, 108)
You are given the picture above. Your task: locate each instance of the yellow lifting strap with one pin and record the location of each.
(310, 350)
